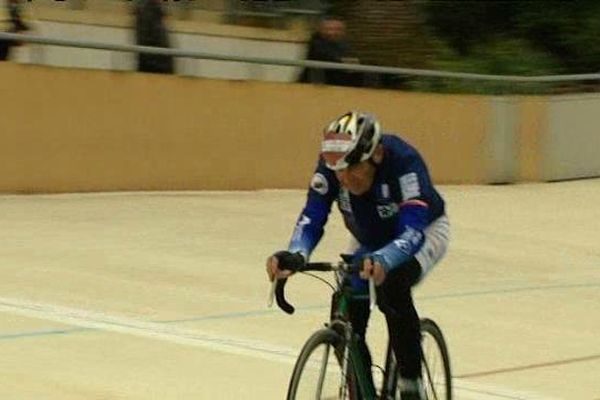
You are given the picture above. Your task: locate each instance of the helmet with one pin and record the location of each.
(350, 139)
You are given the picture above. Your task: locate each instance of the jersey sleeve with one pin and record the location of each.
(415, 189)
(310, 225)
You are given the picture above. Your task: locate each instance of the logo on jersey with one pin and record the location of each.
(319, 184)
(385, 191)
(387, 210)
(302, 222)
(344, 200)
(408, 240)
(409, 184)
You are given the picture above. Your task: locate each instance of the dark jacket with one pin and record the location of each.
(17, 25)
(150, 30)
(321, 49)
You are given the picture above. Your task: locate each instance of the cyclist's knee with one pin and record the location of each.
(394, 295)
(395, 303)
(403, 277)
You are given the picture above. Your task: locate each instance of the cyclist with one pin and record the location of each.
(398, 225)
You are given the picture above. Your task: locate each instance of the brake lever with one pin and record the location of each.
(271, 293)
(372, 294)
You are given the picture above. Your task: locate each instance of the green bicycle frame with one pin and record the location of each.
(361, 371)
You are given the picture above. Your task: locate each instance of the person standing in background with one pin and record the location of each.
(17, 25)
(150, 30)
(329, 43)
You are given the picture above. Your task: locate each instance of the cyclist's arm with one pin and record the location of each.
(415, 186)
(311, 222)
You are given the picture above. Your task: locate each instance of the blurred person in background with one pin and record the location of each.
(329, 43)
(16, 25)
(150, 30)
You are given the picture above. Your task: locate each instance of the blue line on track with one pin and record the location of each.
(48, 332)
(254, 313)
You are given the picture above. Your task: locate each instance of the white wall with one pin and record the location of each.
(102, 59)
(571, 147)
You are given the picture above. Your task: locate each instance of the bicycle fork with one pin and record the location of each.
(344, 377)
(363, 383)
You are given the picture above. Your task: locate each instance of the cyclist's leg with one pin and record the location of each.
(437, 236)
(359, 317)
(397, 302)
(360, 312)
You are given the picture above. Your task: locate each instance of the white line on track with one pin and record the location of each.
(465, 390)
(150, 330)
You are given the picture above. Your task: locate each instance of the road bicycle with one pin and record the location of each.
(330, 365)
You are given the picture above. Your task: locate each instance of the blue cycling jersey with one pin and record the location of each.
(388, 220)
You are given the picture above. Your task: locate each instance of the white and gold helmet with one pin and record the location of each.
(350, 139)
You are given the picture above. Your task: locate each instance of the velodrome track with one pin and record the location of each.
(161, 295)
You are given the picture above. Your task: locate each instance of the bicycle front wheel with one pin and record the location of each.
(319, 372)
(437, 377)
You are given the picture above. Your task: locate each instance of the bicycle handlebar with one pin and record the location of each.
(278, 285)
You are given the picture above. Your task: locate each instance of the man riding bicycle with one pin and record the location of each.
(398, 224)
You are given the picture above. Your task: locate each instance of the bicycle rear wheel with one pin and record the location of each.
(318, 373)
(437, 377)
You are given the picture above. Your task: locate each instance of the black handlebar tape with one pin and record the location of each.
(317, 266)
(280, 297)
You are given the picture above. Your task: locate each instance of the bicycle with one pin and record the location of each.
(330, 365)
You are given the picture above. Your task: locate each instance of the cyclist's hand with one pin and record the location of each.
(372, 269)
(283, 263)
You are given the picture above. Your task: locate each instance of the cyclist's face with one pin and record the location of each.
(357, 178)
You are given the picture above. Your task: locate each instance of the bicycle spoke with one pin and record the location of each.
(436, 377)
(323, 371)
(430, 380)
(321, 377)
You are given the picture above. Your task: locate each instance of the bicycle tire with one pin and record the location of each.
(431, 329)
(324, 337)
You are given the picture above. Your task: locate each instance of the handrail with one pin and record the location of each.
(291, 63)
